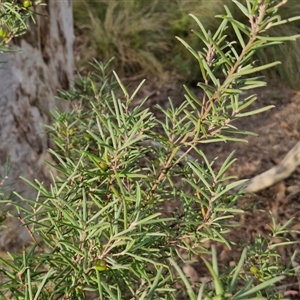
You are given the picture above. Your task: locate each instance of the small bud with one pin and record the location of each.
(27, 3)
(3, 33)
(103, 166)
(101, 265)
(253, 270)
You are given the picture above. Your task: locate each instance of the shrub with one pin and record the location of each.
(130, 205)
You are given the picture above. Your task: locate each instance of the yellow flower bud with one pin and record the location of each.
(27, 3)
(101, 265)
(3, 33)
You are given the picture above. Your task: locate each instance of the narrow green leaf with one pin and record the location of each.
(187, 46)
(247, 102)
(252, 85)
(242, 8)
(137, 89)
(241, 26)
(205, 33)
(246, 71)
(253, 112)
(122, 86)
(226, 164)
(222, 27)
(260, 287)
(218, 285)
(183, 277)
(238, 34)
(285, 21)
(280, 39)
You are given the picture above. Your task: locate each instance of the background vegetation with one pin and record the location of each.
(141, 37)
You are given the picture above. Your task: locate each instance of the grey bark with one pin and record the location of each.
(29, 79)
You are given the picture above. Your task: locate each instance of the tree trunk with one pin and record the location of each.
(29, 81)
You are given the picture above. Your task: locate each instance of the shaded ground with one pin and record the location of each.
(278, 131)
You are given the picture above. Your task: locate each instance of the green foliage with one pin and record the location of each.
(129, 206)
(258, 269)
(14, 20)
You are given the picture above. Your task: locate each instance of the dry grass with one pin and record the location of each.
(288, 53)
(141, 37)
(134, 36)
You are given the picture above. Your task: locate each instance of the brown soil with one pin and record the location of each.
(278, 131)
